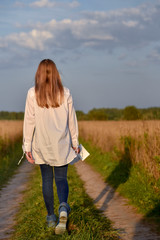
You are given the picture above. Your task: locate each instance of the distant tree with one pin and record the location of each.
(4, 115)
(131, 113)
(114, 113)
(155, 112)
(97, 114)
(81, 115)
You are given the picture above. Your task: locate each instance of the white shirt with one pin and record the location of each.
(50, 133)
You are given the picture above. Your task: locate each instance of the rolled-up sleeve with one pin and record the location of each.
(29, 123)
(73, 125)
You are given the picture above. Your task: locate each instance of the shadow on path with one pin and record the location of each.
(150, 222)
(145, 230)
(118, 176)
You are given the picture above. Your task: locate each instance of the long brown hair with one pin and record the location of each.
(48, 86)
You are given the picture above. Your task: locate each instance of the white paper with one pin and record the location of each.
(83, 153)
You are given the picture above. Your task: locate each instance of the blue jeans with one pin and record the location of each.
(60, 174)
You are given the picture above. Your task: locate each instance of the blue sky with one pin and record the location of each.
(107, 52)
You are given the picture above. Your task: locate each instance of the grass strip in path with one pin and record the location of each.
(85, 221)
(131, 181)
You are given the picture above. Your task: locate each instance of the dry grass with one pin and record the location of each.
(10, 130)
(144, 146)
(144, 138)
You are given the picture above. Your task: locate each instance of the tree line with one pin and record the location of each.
(5, 115)
(128, 113)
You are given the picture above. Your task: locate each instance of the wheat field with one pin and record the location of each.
(144, 139)
(144, 146)
(10, 130)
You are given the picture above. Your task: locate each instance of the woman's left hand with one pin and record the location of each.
(29, 157)
(77, 150)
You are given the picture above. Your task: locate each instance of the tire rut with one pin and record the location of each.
(11, 196)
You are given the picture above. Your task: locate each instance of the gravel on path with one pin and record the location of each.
(130, 224)
(10, 198)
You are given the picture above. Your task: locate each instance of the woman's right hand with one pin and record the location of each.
(29, 157)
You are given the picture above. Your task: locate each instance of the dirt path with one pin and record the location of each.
(10, 198)
(124, 217)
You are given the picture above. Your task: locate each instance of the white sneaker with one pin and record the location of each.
(61, 226)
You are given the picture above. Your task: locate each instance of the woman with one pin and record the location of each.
(50, 137)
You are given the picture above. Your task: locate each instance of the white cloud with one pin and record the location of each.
(128, 28)
(74, 4)
(43, 3)
(132, 64)
(154, 55)
(100, 37)
(19, 4)
(122, 56)
(113, 15)
(51, 4)
(3, 44)
(33, 40)
(130, 23)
